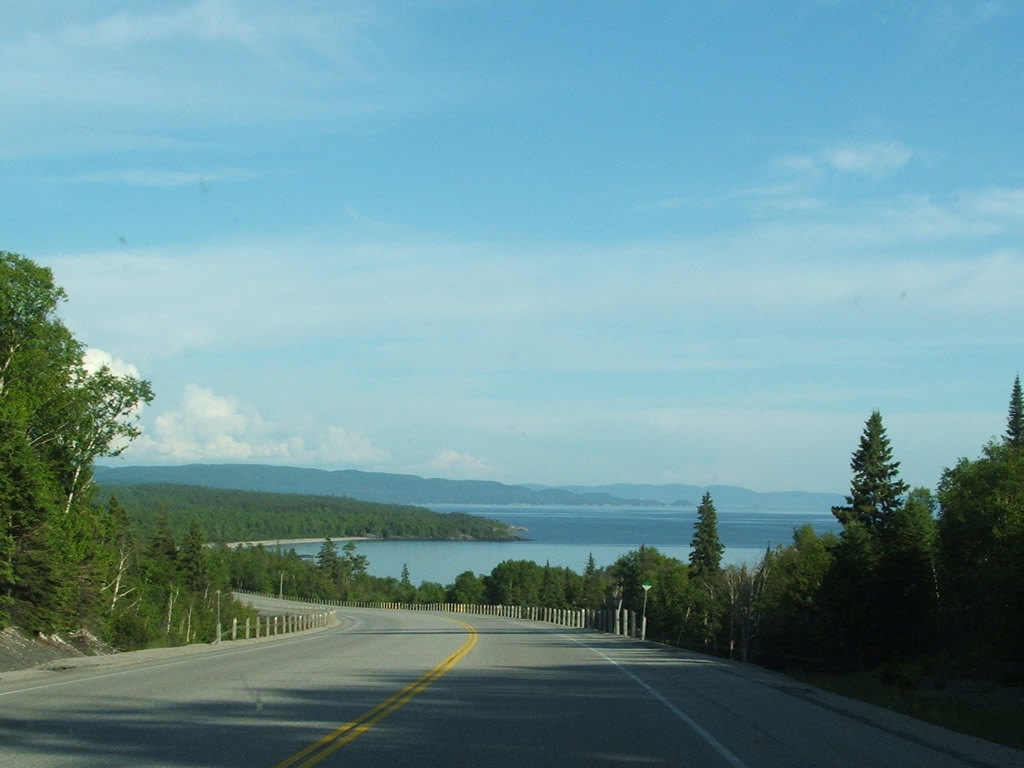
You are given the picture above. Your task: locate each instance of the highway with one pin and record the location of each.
(398, 688)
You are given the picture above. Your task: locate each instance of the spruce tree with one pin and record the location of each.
(161, 544)
(707, 548)
(192, 558)
(591, 584)
(1015, 420)
(876, 489)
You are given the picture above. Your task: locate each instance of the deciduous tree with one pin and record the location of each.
(56, 417)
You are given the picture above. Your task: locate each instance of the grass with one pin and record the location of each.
(987, 710)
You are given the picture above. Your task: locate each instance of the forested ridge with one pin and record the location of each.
(233, 516)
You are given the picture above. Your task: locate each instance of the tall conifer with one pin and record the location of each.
(707, 548)
(1015, 420)
(876, 490)
(192, 557)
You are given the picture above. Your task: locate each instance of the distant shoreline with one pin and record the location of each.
(275, 542)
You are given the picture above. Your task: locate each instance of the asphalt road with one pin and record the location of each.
(429, 690)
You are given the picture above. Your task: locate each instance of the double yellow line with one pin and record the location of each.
(353, 729)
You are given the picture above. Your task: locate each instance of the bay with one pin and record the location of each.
(568, 536)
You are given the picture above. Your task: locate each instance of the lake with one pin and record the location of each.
(567, 536)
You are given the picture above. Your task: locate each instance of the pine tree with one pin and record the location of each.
(192, 558)
(591, 584)
(327, 561)
(552, 594)
(161, 544)
(707, 548)
(1015, 420)
(352, 562)
(876, 490)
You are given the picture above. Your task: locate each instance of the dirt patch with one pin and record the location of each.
(20, 650)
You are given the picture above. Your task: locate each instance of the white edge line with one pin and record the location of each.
(718, 746)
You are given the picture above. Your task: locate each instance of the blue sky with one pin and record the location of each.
(573, 242)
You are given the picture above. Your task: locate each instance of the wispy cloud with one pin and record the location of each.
(873, 159)
(864, 158)
(1005, 203)
(139, 73)
(153, 177)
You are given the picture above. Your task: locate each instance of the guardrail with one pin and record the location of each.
(281, 624)
(615, 621)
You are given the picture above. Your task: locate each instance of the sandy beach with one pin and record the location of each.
(275, 542)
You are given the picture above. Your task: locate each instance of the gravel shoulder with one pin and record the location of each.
(20, 650)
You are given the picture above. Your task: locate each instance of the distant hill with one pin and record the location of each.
(411, 489)
(679, 495)
(366, 486)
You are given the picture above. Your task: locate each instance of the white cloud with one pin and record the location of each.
(867, 158)
(461, 466)
(207, 427)
(94, 359)
(872, 159)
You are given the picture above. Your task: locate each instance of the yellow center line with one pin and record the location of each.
(350, 731)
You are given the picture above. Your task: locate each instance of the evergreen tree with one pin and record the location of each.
(876, 489)
(406, 591)
(591, 597)
(162, 546)
(707, 548)
(192, 558)
(552, 593)
(1015, 420)
(353, 563)
(327, 561)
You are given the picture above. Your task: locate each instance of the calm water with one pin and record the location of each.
(567, 536)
